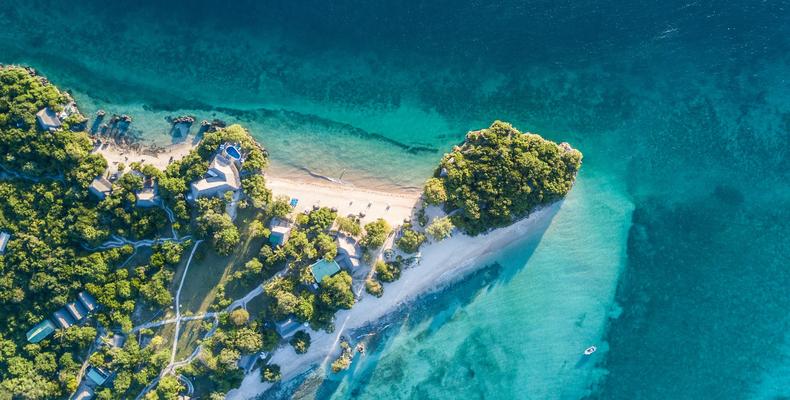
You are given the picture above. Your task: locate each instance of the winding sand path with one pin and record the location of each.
(178, 309)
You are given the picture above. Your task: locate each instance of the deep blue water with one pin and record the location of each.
(671, 252)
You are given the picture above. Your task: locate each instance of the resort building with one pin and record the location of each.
(100, 187)
(222, 176)
(97, 376)
(289, 327)
(4, 238)
(117, 340)
(40, 331)
(87, 301)
(346, 260)
(149, 195)
(324, 268)
(348, 253)
(47, 119)
(76, 310)
(280, 231)
(246, 362)
(63, 318)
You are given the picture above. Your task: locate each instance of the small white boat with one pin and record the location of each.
(590, 350)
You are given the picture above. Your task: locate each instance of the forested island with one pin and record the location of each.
(94, 255)
(498, 175)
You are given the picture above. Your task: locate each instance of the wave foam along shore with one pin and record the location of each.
(442, 264)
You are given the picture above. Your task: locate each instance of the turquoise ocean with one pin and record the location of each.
(671, 253)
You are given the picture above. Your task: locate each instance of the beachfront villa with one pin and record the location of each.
(348, 253)
(117, 340)
(47, 119)
(222, 176)
(289, 327)
(247, 362)
(4, 238)
(40, 331)
(323, 268)
(100, 187)
(280, 231)
(149, 195)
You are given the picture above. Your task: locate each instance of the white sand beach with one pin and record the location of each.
(159, 157)
(442, 264)
(393, 207)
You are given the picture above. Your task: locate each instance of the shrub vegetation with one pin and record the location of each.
(375, 234)
(300, 342)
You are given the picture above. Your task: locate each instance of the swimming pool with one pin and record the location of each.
(233, 152)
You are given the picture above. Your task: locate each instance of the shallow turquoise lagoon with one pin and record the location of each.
(670, 253)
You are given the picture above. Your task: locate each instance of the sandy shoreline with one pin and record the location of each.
(159, 157)
(392, 206)
(442, 264)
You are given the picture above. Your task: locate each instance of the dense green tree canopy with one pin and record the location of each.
(54, 222)
(374, 287)
(29, 151)
(387, 272)
(500, 174)
(349, 226)
(271, 373)
(375, 233)
(214, 224)
(300, 342)
(434, 191)
(410, 240)
(440, 228)
(255, 188)
(335, 291)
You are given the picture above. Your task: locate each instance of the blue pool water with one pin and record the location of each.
(670, 253)
(233, 152)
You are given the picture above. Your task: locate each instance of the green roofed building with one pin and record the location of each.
(40, 331)
(324, 268)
